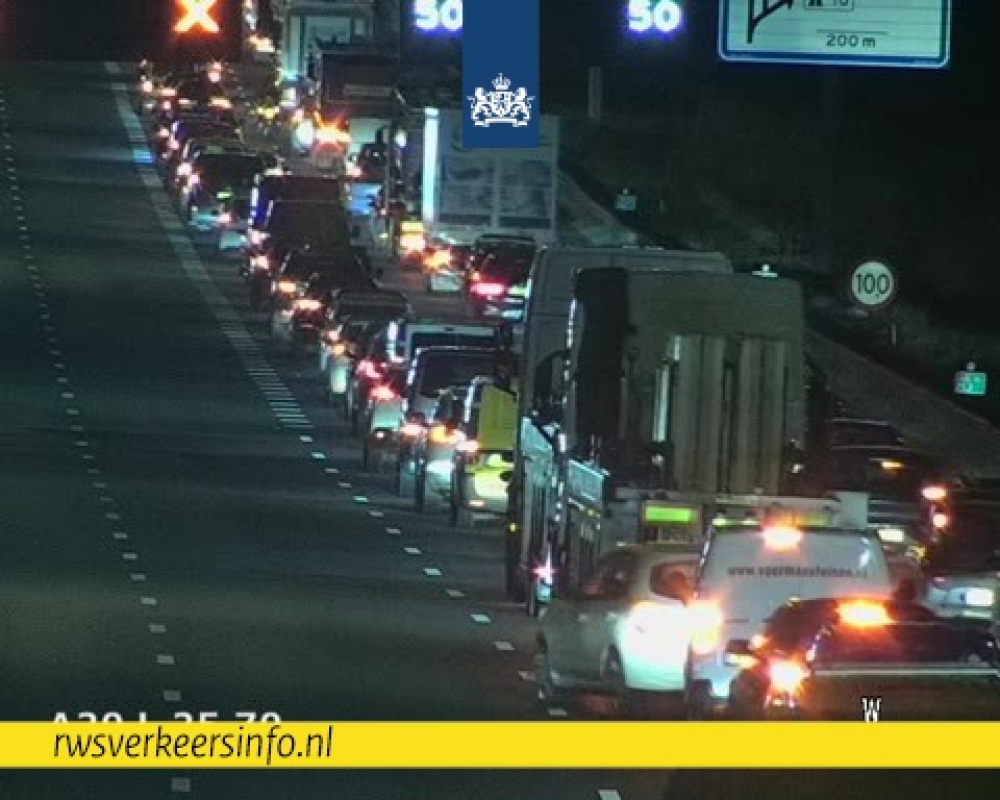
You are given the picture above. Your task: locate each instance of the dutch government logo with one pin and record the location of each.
(501, 106)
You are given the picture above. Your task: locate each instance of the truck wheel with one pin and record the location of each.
(512, 578)
(549, 694)
(420, 490)
(614, 678)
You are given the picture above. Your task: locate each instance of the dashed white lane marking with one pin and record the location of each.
(393, 531)
(180, 785)
(412, 551)
(99, 485)
(317, 456)
(138, 577)
(344, 484)
(454, 594)
(504, 647)
(76, 428)
(481, 619)
(68, 395)
(114, 516)
(558, 712)
(376, 514)
(360, 498)
(526, 675)
(120, 536)
(608, 794)
(157, 628)
(94, 471)
(148, 601)
(432, 572)
(305, 439)
(166, 660)
(171, 696)
(331, 471)
(73, 412)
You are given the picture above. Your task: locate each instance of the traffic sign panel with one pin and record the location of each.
(873, 285)
(864, 33)
(970, 384)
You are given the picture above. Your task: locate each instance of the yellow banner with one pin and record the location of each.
(544, 745)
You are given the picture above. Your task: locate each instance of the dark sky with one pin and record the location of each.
(576, 33)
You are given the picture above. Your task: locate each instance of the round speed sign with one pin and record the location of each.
(873, 285)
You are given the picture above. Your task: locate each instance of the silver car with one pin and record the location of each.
(625, 629)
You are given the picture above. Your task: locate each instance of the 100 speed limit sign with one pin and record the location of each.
(873, 285)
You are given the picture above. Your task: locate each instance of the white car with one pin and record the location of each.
(624, 630)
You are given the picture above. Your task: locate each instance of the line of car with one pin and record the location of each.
(434, 403)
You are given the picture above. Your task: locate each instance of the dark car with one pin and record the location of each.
(307, 188)
(865, 659)
(294, 225)
(498, 288)
(496, 244)
(961, 565)
(213, 180)
(897, 479)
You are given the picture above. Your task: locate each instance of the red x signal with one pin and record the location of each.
(197, 17)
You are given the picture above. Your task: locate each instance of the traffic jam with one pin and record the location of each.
(686, 510)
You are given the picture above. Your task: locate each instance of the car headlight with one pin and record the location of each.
(980, 598)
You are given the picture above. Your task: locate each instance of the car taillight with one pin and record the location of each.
(308, 304)
(787, 676)
(260, 262)
(940, 520)
(339, 349)
(934, 494)
(705, 622)
(162, 133)
(288, 287)
(441, 434)
(412, 430)
(368, 369)
(193, 179)
(183, 170)
(488, 289)
(225, 218)
(383, 393)
(147, 86)
(256, 237)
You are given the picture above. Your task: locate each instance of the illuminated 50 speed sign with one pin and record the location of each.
(873, 285)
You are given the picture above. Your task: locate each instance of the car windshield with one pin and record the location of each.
(229, 169)
(454, 368)
(447, 339)
(886, 473)
(507, 268)
(306, 221)
(969, 544)
(848, 433)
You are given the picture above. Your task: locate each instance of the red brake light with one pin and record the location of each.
(488, 289)
(383, 393)
(369, 369)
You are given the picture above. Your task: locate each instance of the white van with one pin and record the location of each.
(747, 572)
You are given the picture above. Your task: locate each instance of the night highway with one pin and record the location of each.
(187, 526)
(189, 531)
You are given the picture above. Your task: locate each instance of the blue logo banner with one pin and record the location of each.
(500, 73)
